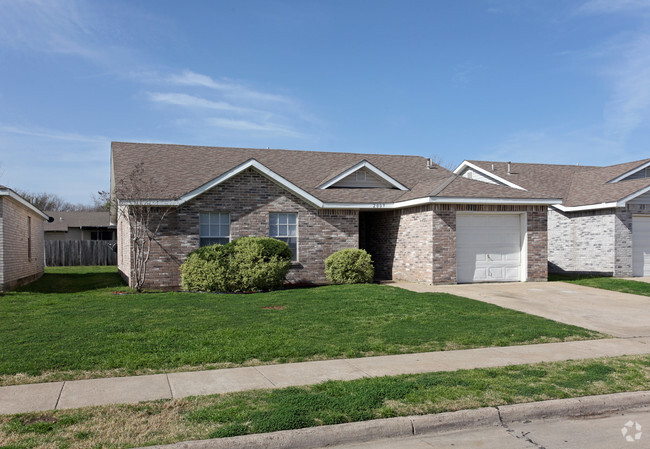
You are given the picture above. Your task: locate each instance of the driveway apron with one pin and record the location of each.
(618, 314)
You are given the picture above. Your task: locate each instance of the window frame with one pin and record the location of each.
(296, 253)
(29, 238)
(219, 225)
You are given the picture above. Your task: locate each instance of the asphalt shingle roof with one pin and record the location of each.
(179, 169)
(82, 219)
(577, 185)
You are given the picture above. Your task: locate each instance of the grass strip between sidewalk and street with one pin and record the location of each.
(332, 402)
(70, 324)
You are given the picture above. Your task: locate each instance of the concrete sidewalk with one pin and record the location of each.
(82, 393)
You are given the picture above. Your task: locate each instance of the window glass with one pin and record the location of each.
(285, 227)
(214, 228)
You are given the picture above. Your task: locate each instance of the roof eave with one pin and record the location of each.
(629, 173)
(466, 164)
(11, 194)
(364, 164)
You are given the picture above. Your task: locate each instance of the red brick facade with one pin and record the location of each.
(415, 244)
(249, 198)
(419, 244)
(22, 253)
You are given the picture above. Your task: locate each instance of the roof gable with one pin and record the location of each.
(378, 178)
(467, 167)
(251, 163)
(183, 172)
(639, 172)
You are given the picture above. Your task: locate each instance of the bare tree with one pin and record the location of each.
(45, 201)
(133, 195)
(438, 160)
(51, 202)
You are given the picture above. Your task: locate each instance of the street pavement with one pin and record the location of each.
(606, 431)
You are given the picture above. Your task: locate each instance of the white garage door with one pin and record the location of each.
(641, 246)
(488, 248)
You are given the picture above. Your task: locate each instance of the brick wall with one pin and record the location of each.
(400, 242)
(249, 197)
(123, 247)
(582, 241)
(419, 244)
(623, 236)
(17, 266)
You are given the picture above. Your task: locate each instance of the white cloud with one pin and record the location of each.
(45, 160)
(189, 78)
(629, 104)
(245, 125)
(49, 134)
(553, 146)
(191, 101)
(613, 6)
(56, 26)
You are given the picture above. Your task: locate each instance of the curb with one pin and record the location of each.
(316, 437)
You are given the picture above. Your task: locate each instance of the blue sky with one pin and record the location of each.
(531, 81)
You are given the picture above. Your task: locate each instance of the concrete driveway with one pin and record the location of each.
(618, 314)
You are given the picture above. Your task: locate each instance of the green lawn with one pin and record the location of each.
(333, 402)
(48, 334)
(608, 283)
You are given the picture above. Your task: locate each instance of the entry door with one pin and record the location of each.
(641, 246)
(488, 248)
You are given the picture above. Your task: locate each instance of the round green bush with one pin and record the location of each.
(349, 266)
(243, 265)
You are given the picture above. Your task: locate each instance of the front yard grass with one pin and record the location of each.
(332, 402)
(70, 324)
(608, 283)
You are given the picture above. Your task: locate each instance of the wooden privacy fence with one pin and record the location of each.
(65, 253)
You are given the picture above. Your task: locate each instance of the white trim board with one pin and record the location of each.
(367, 165)
(465, 164)
(11, 194)
(630, 172)
(252, 163)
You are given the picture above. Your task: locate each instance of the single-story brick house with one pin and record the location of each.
(603, 223)
(419, 221)
(22, 254)
(80, 225)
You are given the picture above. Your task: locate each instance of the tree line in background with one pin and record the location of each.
(52, 202)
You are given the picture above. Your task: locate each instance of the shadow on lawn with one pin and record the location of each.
(74, 282)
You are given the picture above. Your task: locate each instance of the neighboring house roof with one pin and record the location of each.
(182, 172)
(580, 187)
(6, 191)
(83, 219)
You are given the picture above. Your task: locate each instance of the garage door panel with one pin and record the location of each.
(641, 246)
(488, 248)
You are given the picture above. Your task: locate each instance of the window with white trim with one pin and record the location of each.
(214, 228)
(285, 227)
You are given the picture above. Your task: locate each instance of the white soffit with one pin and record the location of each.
(486, 173)
(367, 165)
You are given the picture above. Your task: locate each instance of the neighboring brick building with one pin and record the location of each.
(419, 221)
(603, 223)
(22, 256)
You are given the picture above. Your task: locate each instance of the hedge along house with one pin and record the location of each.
(603, 223)
(419, 221)
(22, 254)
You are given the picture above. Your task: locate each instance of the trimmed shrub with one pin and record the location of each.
(243, 265)
(349, 266)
